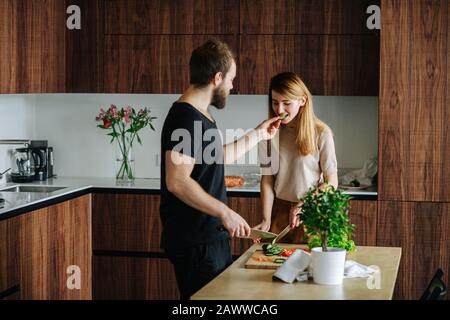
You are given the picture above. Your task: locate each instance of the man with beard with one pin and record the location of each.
(197, 223)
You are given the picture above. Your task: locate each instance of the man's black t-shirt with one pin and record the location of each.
(187, 131)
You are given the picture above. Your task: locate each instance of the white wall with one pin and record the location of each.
(67, 121)
(17, 121)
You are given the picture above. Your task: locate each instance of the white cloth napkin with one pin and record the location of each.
(293, 267)
(353, 269)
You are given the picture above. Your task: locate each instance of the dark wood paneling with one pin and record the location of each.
(9, 254)
(151, 64)
(126, 278)
(126, 222)
(8, 46)
(51, 240)
(85, 49)
(40, 58)
(305, 16)
(329, 65)
(32, 40)
(422, 229)
(250, 210)
(172, 17)
(414, 138)
(363, 214)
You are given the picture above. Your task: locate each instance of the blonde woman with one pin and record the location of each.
(306, 155)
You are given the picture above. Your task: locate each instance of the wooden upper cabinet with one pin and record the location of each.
(84, 49)
(414, 135)
(8, 46)
(32, 46)
(329, 65)
(172, 17)
(305, 16)
(151, 64)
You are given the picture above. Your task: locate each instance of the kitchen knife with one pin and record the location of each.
(255, 233)
(282, 234)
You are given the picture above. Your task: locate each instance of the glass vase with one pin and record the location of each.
(125, 173)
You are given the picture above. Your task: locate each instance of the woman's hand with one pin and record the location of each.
(294, 220)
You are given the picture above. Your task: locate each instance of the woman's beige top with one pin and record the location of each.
(294, 173)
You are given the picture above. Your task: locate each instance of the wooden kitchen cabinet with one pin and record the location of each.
(305, 16)
(126, 222)
(363, 213)
(422, 229)
(84, 49)
(40, 55)
(32, 55)
(151, 64)
(414, 136)
(51, 240)
(172, 17)
(250, 209)
(9, 257)
(328, 64)
(132, 278)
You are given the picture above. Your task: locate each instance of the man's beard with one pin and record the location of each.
(219, 98)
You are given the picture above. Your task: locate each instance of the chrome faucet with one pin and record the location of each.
(1, 174)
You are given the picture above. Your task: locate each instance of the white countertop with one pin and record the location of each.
(17, 200)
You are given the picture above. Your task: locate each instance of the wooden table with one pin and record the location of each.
(237, 282)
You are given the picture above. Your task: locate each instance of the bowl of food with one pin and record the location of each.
(234, 181)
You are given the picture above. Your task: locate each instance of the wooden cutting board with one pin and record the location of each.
(254, 263)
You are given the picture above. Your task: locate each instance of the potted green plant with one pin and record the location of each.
(324, 212)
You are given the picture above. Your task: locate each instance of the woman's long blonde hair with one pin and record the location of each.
(308, 126)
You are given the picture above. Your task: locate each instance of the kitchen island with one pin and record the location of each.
(237, 282)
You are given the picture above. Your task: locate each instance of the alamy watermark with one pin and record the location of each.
(73, 21)
(374, 20)
(73, 281)
(374, 279)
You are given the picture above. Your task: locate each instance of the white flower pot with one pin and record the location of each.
(328, 267)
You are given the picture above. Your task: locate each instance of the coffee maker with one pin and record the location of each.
(33, 162)
(43, 159)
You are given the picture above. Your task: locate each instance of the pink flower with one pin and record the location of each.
(113, 110)
(126, 117)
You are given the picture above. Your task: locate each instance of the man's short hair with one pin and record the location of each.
(211, 57)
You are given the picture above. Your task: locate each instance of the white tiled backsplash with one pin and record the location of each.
(67, 121)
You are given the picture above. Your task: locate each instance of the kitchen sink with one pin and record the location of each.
(44, 189)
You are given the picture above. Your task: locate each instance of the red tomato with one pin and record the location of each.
(287, 252)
